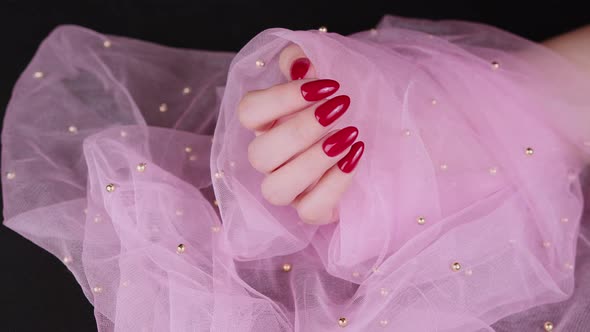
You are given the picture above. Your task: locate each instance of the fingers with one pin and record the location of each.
(285, 184)
(260, 108)
(269, 151)
(294, 64)
(319, 205)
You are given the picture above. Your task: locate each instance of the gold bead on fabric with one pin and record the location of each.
(180, 248)
(141, 167)
(110, 187)
(421, 220)
(287, 267)
(342, 322)
(495, 64)
(529, 151)
(456, 266)
(548, 326)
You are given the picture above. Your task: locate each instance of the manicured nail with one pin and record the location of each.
(349, 162)
(331, 110)
(299, 68)
(340, 141)
(319, 89)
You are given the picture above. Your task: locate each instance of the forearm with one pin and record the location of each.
(575, 46)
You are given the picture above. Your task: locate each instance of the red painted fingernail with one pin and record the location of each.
(331, 110)
(340, 141)
(349, 162)
(319, 89)
(299, 68)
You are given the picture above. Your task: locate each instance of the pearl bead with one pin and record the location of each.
(456, 266)
(323, 29)
(433, 101)
(407, 132)
(188, 149)
(373, 31)
(548, 326)
(163, 108)
(564, 220)
(110, 187)
(179, 212)
(287, 267)
(468, 272)
(38, 74)
(495, 64)
(186, 90)
(215, 229)
(421, 220)
(383, 322)
(444, 167)
(10, 175)
(141, 167)
(384, 291)
(97, 289)
(72, 129)
(216, 203)
(493, 170)
(529, 151)
(106, 43)
(96, 219)
(546, 244)
(123, 133)
(219, 175)
(260, 63)
(342, 322)
(193, 157)
(67, 260)
(355, 274)
(180, 249)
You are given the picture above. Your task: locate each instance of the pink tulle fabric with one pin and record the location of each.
(482, 134)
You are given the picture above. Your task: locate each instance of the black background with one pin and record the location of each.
(37, 293)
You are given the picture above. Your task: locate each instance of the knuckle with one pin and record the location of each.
(255, 158)
(244, 111)
(308, 214)
(272, 193)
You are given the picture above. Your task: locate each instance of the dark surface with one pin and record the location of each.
(37, 293)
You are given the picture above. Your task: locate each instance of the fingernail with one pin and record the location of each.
(331, 110)
(319, 89)
(349, 162)
(340, 141)
(299, 68)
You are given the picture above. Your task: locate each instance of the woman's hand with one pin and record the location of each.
(308, 161)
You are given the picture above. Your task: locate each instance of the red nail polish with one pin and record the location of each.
(349, 162)
(299, 68)
(331, 110)
(340, 141)
(319, 89)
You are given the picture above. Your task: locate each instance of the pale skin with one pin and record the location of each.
(288, 143)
